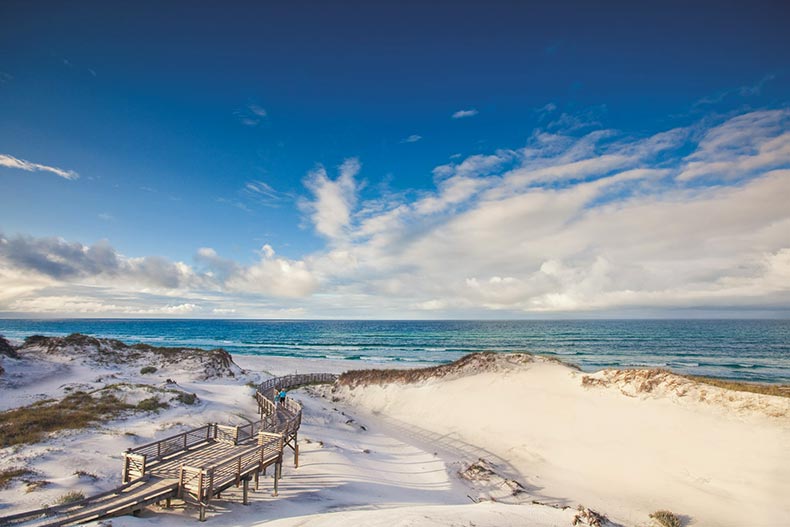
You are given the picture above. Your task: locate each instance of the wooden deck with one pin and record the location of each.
(196, 465)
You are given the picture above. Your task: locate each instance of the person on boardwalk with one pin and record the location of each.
(281, 396)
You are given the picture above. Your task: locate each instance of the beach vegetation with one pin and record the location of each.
(9, 474)
(187, 398)
(77, 410)
(586, 516)
(145, 370)
(7, 349)
(215, 362)
(778, 390)
(648, 380)
(70, 497)
(474, 362)
(35, 484)
(151, 404)
(666, 519)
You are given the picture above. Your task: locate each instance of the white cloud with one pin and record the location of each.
(257, 110)
(252, 115)
(460, 114)
(411, 139)
(687, 218)
(275, 277)
(333, 200)
(742, 145)
(13, 162)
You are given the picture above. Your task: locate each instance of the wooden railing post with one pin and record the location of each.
(296, 450)
(276, 475)
(125, 474)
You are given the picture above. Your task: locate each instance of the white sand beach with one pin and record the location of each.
(515, 441)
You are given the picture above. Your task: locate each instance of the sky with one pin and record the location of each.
(401, 160)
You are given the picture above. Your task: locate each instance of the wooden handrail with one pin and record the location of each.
(272, 432)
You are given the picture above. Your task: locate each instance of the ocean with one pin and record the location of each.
(747, 350)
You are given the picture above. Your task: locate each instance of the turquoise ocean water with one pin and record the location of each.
(750, 350)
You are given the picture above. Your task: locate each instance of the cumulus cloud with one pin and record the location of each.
(51, 275)
(330, 210)
(274, 276)
(595, 222)
(61, 260)
(692, 217)
(13, 162)
(460, 114)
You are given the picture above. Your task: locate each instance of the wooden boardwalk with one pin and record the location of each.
(196, 465)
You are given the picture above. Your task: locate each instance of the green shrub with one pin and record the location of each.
(147, 369)
(152, 404)
(666, 519)
(187, 398)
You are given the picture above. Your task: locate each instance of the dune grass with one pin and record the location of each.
(152, 404)
(29, 424)
(479, 361)
(666, 519)
(9, 474)
(71, 497)
(779, 390)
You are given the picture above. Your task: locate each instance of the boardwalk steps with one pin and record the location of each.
(196, 465)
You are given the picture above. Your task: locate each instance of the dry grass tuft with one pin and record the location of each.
(779, 390)
(70, 497)
(648, 380)
(78, 410)
(474, 362)
(152, 404)
(9, 474)
(666, 519)
(589, 517)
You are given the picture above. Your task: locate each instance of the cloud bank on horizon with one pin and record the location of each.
(579, 220)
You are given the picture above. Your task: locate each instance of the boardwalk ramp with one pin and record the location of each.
(196, 465)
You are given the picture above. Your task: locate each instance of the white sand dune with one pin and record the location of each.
(716, 456)
(391, 454)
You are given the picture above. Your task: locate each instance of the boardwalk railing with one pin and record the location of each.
(142, 485)
(286, 417)
(206, 482)
(136, 460)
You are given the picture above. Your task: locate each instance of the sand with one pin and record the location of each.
(714, 456)
(391, 455)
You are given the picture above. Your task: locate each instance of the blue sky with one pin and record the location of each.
(398, 160)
